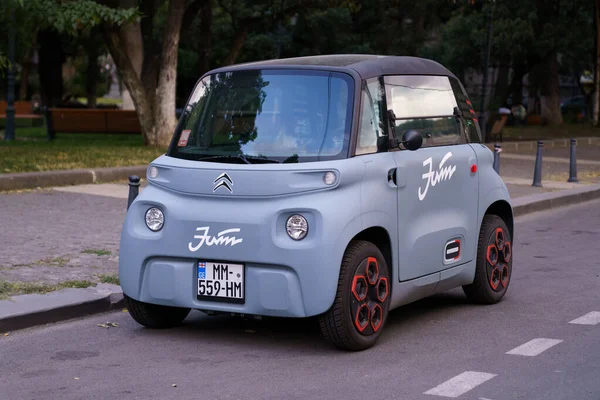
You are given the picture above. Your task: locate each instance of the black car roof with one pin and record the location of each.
(366, 65)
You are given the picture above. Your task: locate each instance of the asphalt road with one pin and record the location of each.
(439, 345)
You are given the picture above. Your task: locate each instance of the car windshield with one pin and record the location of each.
(258, 116)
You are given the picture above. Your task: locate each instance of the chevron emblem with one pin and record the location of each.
(223, 180)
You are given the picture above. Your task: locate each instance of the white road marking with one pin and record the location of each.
(484, 398)
(460, 384)
(534, 347)
(591, 318)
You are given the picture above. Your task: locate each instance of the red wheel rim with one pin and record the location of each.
(497, 257)
(369, 294)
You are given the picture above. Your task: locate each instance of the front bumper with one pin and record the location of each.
(283, 277)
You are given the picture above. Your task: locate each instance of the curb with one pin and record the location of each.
(546, 201)
(532, 144)
(29, 310)
(32, 180)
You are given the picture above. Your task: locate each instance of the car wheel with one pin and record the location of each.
(494, 263)
(154, 315)
(361, 305)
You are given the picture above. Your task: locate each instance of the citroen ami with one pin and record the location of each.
(338, 187)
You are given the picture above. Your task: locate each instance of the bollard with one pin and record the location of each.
(537, 172)
(134, 189)
(573, 163)
(497, 150)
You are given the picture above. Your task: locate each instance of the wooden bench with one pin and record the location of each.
(23, 110)
(81, 120)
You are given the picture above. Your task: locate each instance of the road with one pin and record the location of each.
(439, 345)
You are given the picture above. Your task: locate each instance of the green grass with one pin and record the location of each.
(32, 152)
(98, 252)
(114, 279)
(8, 289)
(541, 132)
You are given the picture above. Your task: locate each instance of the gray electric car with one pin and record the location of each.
(337, 186)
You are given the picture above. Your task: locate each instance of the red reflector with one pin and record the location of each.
(473, 168)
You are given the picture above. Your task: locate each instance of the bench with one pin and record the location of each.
(23, 110)
(81, 120)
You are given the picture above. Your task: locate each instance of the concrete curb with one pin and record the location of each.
(32, 180)
(546, 201)
(549, 143)
(26, 311)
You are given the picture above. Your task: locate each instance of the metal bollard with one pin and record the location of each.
(134, 189)
(573, 163)
(497, 150)
(537, 172)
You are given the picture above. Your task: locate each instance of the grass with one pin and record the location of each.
(114, 279)
(98, 252)
(541, 132)
(8, 289)
(32, 152)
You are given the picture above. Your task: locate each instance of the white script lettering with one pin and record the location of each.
(214, 240)
(434, 177)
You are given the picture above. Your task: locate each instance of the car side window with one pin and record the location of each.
(426, 104)
(371, 126)
(471, 125)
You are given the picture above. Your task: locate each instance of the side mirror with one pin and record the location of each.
(412, 140)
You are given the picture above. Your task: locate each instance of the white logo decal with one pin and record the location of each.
(214, 240)
(434, 177)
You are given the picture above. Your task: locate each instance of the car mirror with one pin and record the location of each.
(412, 140)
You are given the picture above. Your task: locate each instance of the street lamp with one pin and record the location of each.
(485, 72)
(9, 133)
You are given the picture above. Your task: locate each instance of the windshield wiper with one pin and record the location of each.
(228, 157)
(244, 158)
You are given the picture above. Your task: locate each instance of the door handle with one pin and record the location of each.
(391, 176)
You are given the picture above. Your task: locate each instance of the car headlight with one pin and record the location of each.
(154, 219)
(297, 227)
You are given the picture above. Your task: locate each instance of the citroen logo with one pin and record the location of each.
(225, 181)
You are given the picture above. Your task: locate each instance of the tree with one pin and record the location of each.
(542, 38)
(147, 61)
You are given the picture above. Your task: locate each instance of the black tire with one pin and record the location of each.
(489, 285)
(155, 316)
(338, 323)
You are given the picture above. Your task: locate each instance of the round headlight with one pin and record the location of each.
(154, 219)
(329, 178)
(297, 227)
(153, 172)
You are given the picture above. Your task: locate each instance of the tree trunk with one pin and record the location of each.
(167, 76)
(23, 88)
(150, 54)
(516, 85)
(596, 114)
(132, 82)
(50, 68)
(91, 84)
(550, 92)
(238, 43)
(501, 89)
(131, 36)
(205, 51)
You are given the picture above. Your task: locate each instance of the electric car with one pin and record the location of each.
(338, 187)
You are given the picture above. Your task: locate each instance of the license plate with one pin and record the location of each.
(219, 281)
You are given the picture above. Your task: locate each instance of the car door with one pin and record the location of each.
(437, 194)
